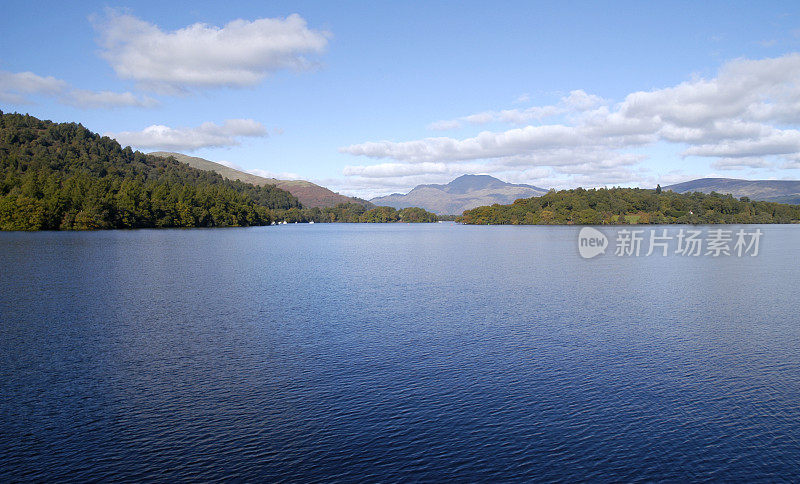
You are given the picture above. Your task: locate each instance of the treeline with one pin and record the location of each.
(632, 206)
(62, 176)
(355, 213)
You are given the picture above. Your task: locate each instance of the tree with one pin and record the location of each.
(631, 206)
(62, 176)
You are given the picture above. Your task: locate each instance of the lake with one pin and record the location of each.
(394, 352)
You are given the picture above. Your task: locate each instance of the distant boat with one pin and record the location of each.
(284, 222)
(311, 221)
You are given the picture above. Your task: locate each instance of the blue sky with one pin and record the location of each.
(370, 98)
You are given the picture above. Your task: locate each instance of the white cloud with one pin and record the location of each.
(581, 101)
(393, 170)
(15, 86)
(576, 101)
(749, 90)
(18, 87)
(188, 139)
(488, 144)
(444, 125)
(747, 117)
(240, 53)
(280, 175)
(740, 163)
(777, 142)
(390, 170)
(106, 99)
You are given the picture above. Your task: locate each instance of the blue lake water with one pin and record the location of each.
(394, 352)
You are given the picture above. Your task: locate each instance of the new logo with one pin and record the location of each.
(591, 242)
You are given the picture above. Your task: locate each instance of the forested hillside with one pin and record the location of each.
(62, 176)
(632, 206)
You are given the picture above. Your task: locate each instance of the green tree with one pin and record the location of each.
(62, 176)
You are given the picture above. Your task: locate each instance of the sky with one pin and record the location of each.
(371, 98)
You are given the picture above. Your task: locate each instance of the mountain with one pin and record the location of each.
(309, 194)
(783, 191)
(463, 193)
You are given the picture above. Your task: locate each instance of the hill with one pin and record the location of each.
(783, 191)
(309, 194)
(63, 176)
(631, 206)
(463, 193)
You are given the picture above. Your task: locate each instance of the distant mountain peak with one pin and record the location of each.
(469, 183)
(474, 177)
(465, 192)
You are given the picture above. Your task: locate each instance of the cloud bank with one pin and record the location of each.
(207, 135)
(241, 53)
(19, 87)
(577, 100)
(745, 117)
